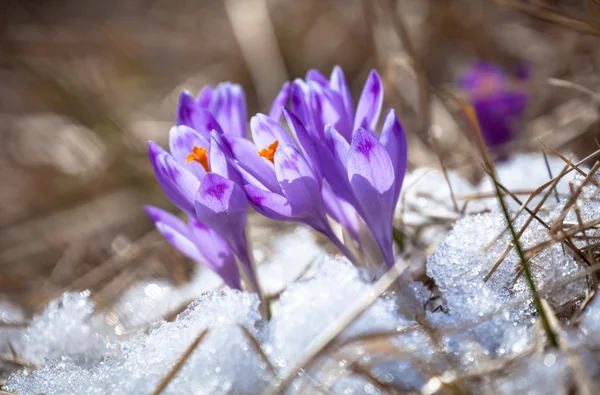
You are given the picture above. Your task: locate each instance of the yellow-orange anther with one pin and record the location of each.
(199, 155)
(488, 85)
(269, 152)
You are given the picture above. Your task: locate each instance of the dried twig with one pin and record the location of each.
(179, 364)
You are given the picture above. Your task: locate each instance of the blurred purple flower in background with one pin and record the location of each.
(499, 103)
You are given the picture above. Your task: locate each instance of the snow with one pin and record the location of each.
(479, 324)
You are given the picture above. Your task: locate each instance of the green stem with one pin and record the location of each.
(536, 298)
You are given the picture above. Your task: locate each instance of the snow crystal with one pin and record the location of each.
(290, 257)
(426, 193)
(590, 322)
(502, 304)
(223, 362)
(66, 328)
(540, 375)
(314, 303)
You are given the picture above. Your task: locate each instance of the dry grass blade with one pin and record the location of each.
(567, 241)
(567, 161)
(327, 336)
(571, 85)
(343, 365)
(257, 348)
(472, 118)
(550, 175)
(585, 236)
(109, 267)
(561, 236)
(339, 365)
(550, 16)
(13, 324)
(573, 199)
(418, 68)
(479, 196)
(523, 205)
(532, 215)
(364, 372)
(179, 364)
(446, 177)
(575, 166)
(16, 361)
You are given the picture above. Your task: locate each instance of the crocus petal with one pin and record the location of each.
(265, 131)
(394, 141)
(371, 174)
(334, 172)
(300, 187)
(338, 84)
(280, 101)
(179, 184)
(316, 76)
(216, 252)
(182, 139)
(186, 246)
(304, 140)
(330, 108)
(189, 113)
(186, 109)
(205, 96)
(228, 105)
(341, 211)
(301, 105)
(337, 143)
(317, 102)
(222, 205)
(158, 215)
(221, 162)
(369, 105)
(269, 204)
(247, 158)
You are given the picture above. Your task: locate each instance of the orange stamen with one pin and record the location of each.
(269, 152)
(199, 155)
(488, 85)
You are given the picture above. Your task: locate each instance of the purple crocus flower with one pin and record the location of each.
(500, 105)
(364, 171)
(318, 101)
(222, 108)
(197, 175)
(282, 179)
(199, 243)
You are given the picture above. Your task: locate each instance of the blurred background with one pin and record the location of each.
(85, 83)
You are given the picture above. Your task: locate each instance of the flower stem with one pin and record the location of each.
(341, 246)
(249, 269)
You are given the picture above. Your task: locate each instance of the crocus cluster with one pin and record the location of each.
(499, 102)
(315, 157)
